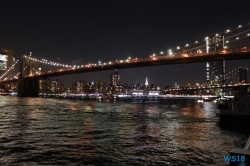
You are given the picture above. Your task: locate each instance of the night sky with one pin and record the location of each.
(80, 32)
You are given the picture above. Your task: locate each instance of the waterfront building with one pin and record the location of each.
(11, 86)
(45, 85)
(109, 89)
(137, 92)
(51, 86)
(100, 87)
(42, 85)
(79, 87)
(115, 79)
(7, 58)
(242, 75)
(126, 90)
(90, 87)
(118, 89)
(145, 90)
(48, 85)
(57, 86)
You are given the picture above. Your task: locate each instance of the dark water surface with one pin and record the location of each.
(47, 131)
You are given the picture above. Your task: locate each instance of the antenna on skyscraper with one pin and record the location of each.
(146, 83)
(30, 53)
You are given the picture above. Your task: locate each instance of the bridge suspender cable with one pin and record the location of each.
(12, 67)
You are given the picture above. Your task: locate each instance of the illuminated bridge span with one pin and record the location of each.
(231, 45)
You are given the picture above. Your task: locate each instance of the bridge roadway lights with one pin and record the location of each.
(28, 87)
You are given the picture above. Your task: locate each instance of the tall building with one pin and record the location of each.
(7, 58)
(242, 74)
(115, 79)
(146, 83)
(215, 71)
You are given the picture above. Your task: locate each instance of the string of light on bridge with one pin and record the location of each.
(12, 67)
(197, 48)
(189, 48)
(45, 61)
(15, 76)
(170, 52)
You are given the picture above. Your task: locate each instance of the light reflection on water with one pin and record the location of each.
(58, 132)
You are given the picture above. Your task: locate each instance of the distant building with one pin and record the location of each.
(79, 87)
(242, 74)
(115, 79)
(100, 87)
(42, 85)
(57, 86)
(126, 90)
(91, 87)
(145, 90)
(54, 86)
(146, 82)
(216, 69)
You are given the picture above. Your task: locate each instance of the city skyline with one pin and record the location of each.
(146, 83)
(87, 32)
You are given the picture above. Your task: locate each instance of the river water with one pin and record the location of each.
(48, 131)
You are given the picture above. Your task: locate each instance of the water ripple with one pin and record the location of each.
(46, 131)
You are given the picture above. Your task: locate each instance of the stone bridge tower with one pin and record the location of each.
(28, 86)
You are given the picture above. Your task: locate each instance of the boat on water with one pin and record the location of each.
(4, 94)
(235, 109)
(207, 99)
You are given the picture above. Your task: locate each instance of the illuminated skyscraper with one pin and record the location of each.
(7, 59)
(215, 71)
(146, 83)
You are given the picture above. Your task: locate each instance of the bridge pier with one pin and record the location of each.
(28, 87)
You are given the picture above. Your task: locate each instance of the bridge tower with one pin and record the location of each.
(28, 87)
